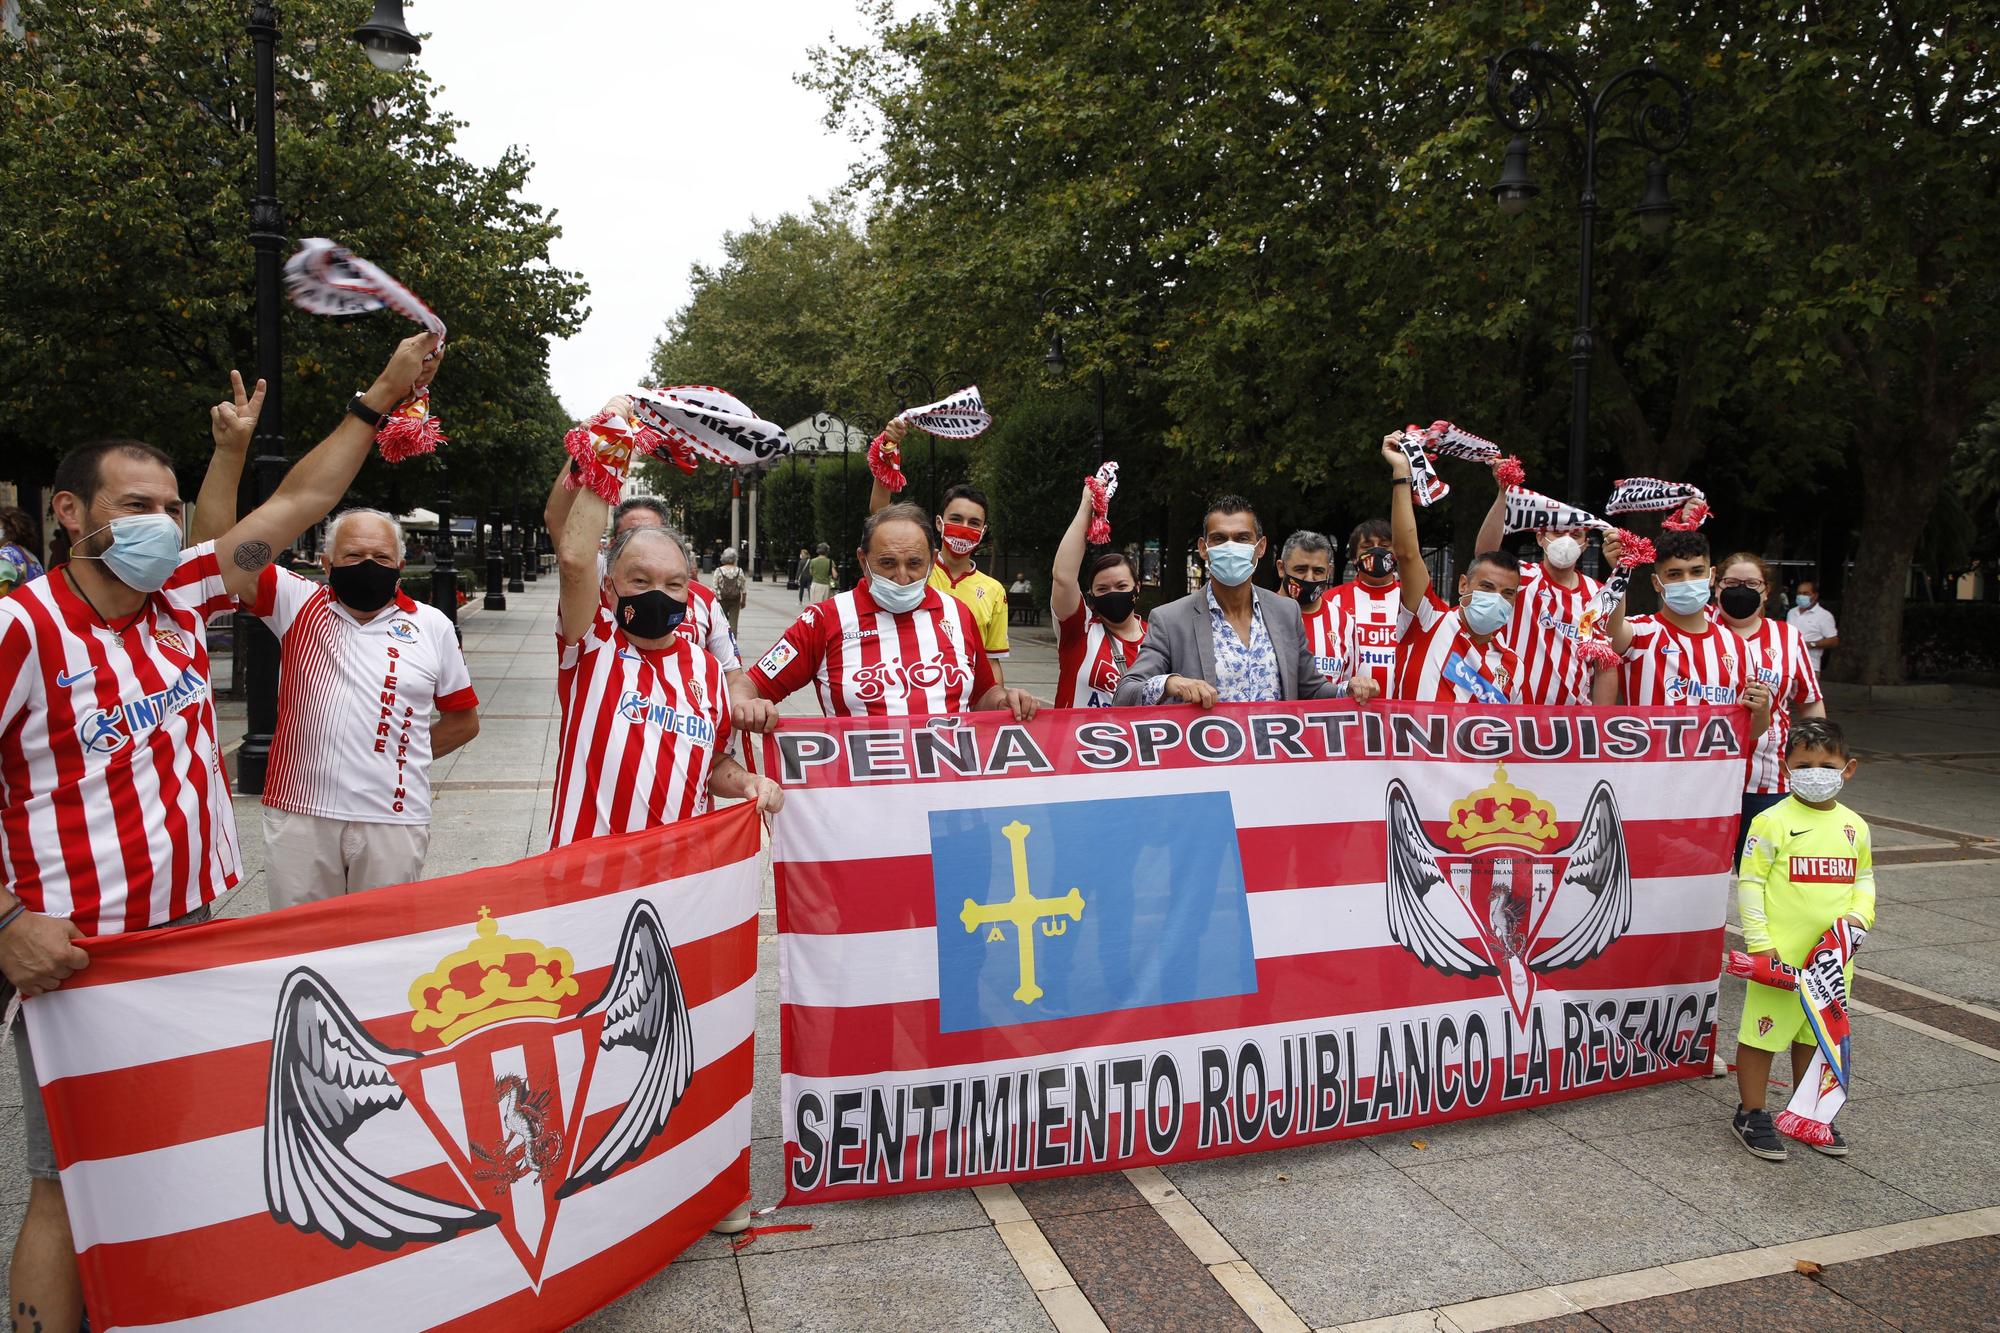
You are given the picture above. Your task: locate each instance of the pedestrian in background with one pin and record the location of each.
(732, 587)
(18, 564)
(820, 575)
(1811, 618)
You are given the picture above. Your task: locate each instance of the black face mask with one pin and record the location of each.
(1113, 608)
(1377, 561)
(1306, 590)
(1741, 603)
(650, 615)
(364, 586)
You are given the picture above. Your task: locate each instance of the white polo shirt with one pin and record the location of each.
(353, 739)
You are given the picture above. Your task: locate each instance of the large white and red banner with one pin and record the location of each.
(496, 1100)
(1106, 939)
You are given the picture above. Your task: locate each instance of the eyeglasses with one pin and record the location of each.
(1757, 584)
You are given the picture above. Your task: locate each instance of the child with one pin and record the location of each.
(1807, 863)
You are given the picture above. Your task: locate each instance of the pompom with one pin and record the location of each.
(1100, 507)
(667, 448)
(1687, 518)
(1795, 1126)
(884, 460)
(1509, 472)
(1635, 550)
(602, 449)
(1597, 654)
(410, 430)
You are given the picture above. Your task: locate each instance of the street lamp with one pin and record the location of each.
(911, 385)
(1062, 303)
(384, 37)
(1521, 87)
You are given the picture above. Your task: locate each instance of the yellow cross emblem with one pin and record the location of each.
(1023, 910)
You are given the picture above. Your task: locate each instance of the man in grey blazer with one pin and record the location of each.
(1231, 641)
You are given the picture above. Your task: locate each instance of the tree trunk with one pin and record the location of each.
(1905, 475)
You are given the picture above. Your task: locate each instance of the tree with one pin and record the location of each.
(127, 144)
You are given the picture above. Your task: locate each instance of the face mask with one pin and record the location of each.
(1803, 601)
(1113, 608)
(1563, 552)
(1305, 590)
(896, 597)
(651, 614)
(1486, 612)
(1741, 603)
(962, 540)
(1232, 563)
(144, 552)
(1377, 561)
(1816, 784)
(1686, 597)
(363, 586)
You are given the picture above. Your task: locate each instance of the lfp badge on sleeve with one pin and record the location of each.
(1086, 907)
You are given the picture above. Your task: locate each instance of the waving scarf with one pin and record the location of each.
(962, 416)
(328, 279)
(1102, 486)
(1644, 495)
(712, 422)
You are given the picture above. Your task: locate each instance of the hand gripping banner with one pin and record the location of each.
(499, 1099)
(1095, 941)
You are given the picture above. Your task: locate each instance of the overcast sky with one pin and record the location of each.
(654, 126)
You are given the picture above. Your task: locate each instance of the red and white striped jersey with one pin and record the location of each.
(1777, 653)
(1327, 639)
(1090, 659)
(1368, 616)
(867, 662)
(1666, 666)
(640, 732)
(1546, 632)
(353, 739)
(114, 811)
(704, 625)
(1437, 661)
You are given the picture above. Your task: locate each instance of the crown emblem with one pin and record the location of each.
(1502, 815)
(491, 980)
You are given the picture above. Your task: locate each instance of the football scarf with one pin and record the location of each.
(1645, 495)
(1102, 487)
(960, 417)
(711, 422)
(1531, 511)
(1822, 989)
(328, 279)
(1443, 438)
(885, 463)
(602, 448)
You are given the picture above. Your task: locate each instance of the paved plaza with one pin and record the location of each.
(1629, 1211)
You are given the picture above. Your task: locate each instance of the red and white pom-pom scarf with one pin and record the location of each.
(328, 279)
(1443, 438)
(1645, 495)
(711, 422)
(1822, 988)
(603, 447)
(1102, 486)
(960, 417)
(885, 463)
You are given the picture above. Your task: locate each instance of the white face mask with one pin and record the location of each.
(1563, 552)
(1816, 784)
(896, 597)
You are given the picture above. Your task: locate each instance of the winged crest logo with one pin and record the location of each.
(530, 1093)
(1493, 900)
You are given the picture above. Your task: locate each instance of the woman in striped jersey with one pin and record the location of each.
(1774, 652)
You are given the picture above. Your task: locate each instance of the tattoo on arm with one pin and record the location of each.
(252, 556)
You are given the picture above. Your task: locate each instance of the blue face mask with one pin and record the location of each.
(1486, 612)
(1803, 601)
(896, 597)
(1232, 563)
(1686, 597)
(144, 552)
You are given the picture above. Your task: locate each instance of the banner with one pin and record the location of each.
(496, 1100)
(1098, 941)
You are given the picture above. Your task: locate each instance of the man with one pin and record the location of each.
(1453, 654)
(1231, 641)
(820, 575)
(1550, 622)
(1305, 568)
(644, 708)
(1811, 619)
(114, 814)
(732, 589)
(1681, 656)
(891, 646)
(347, 797)
(1369, 606)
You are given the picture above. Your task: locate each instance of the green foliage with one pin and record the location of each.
(1946, 638)
(126, 140)
(785, 511)
(840, 505)
(1031, 465)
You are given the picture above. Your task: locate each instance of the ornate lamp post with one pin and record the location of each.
(1521, 88)
(1063, 303)
(390, 45)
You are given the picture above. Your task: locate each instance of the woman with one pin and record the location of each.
(1776, 653)
(1098, 628)
(17, 550)
(891, 646)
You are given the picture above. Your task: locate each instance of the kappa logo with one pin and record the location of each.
(501, 1013)
(1496, 901)
(403, 631)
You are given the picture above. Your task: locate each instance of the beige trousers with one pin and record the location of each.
(307, 858)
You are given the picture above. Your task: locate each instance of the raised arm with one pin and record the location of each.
(1065, 596)
(555, 512)
(317, 482)
(576, 563)
(1410, 567)
(1493, 528)
(232, 424)
(879, 496)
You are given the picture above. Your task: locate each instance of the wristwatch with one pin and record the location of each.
(360, 408)
(1399, 481)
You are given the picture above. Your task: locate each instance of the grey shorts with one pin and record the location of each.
(34, 1119)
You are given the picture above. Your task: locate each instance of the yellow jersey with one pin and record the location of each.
(986, 596)
(1802, 870)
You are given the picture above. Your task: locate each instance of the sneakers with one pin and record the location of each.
(1760, 1136)
(738, 1220)
(1838, 1148)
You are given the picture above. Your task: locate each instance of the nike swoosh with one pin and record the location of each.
(1798, 833)
(63, 682)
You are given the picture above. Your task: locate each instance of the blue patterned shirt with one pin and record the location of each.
(1244, 672)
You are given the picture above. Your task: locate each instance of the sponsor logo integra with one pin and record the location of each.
(109, 730)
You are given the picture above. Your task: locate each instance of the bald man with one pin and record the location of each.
(347, 796)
